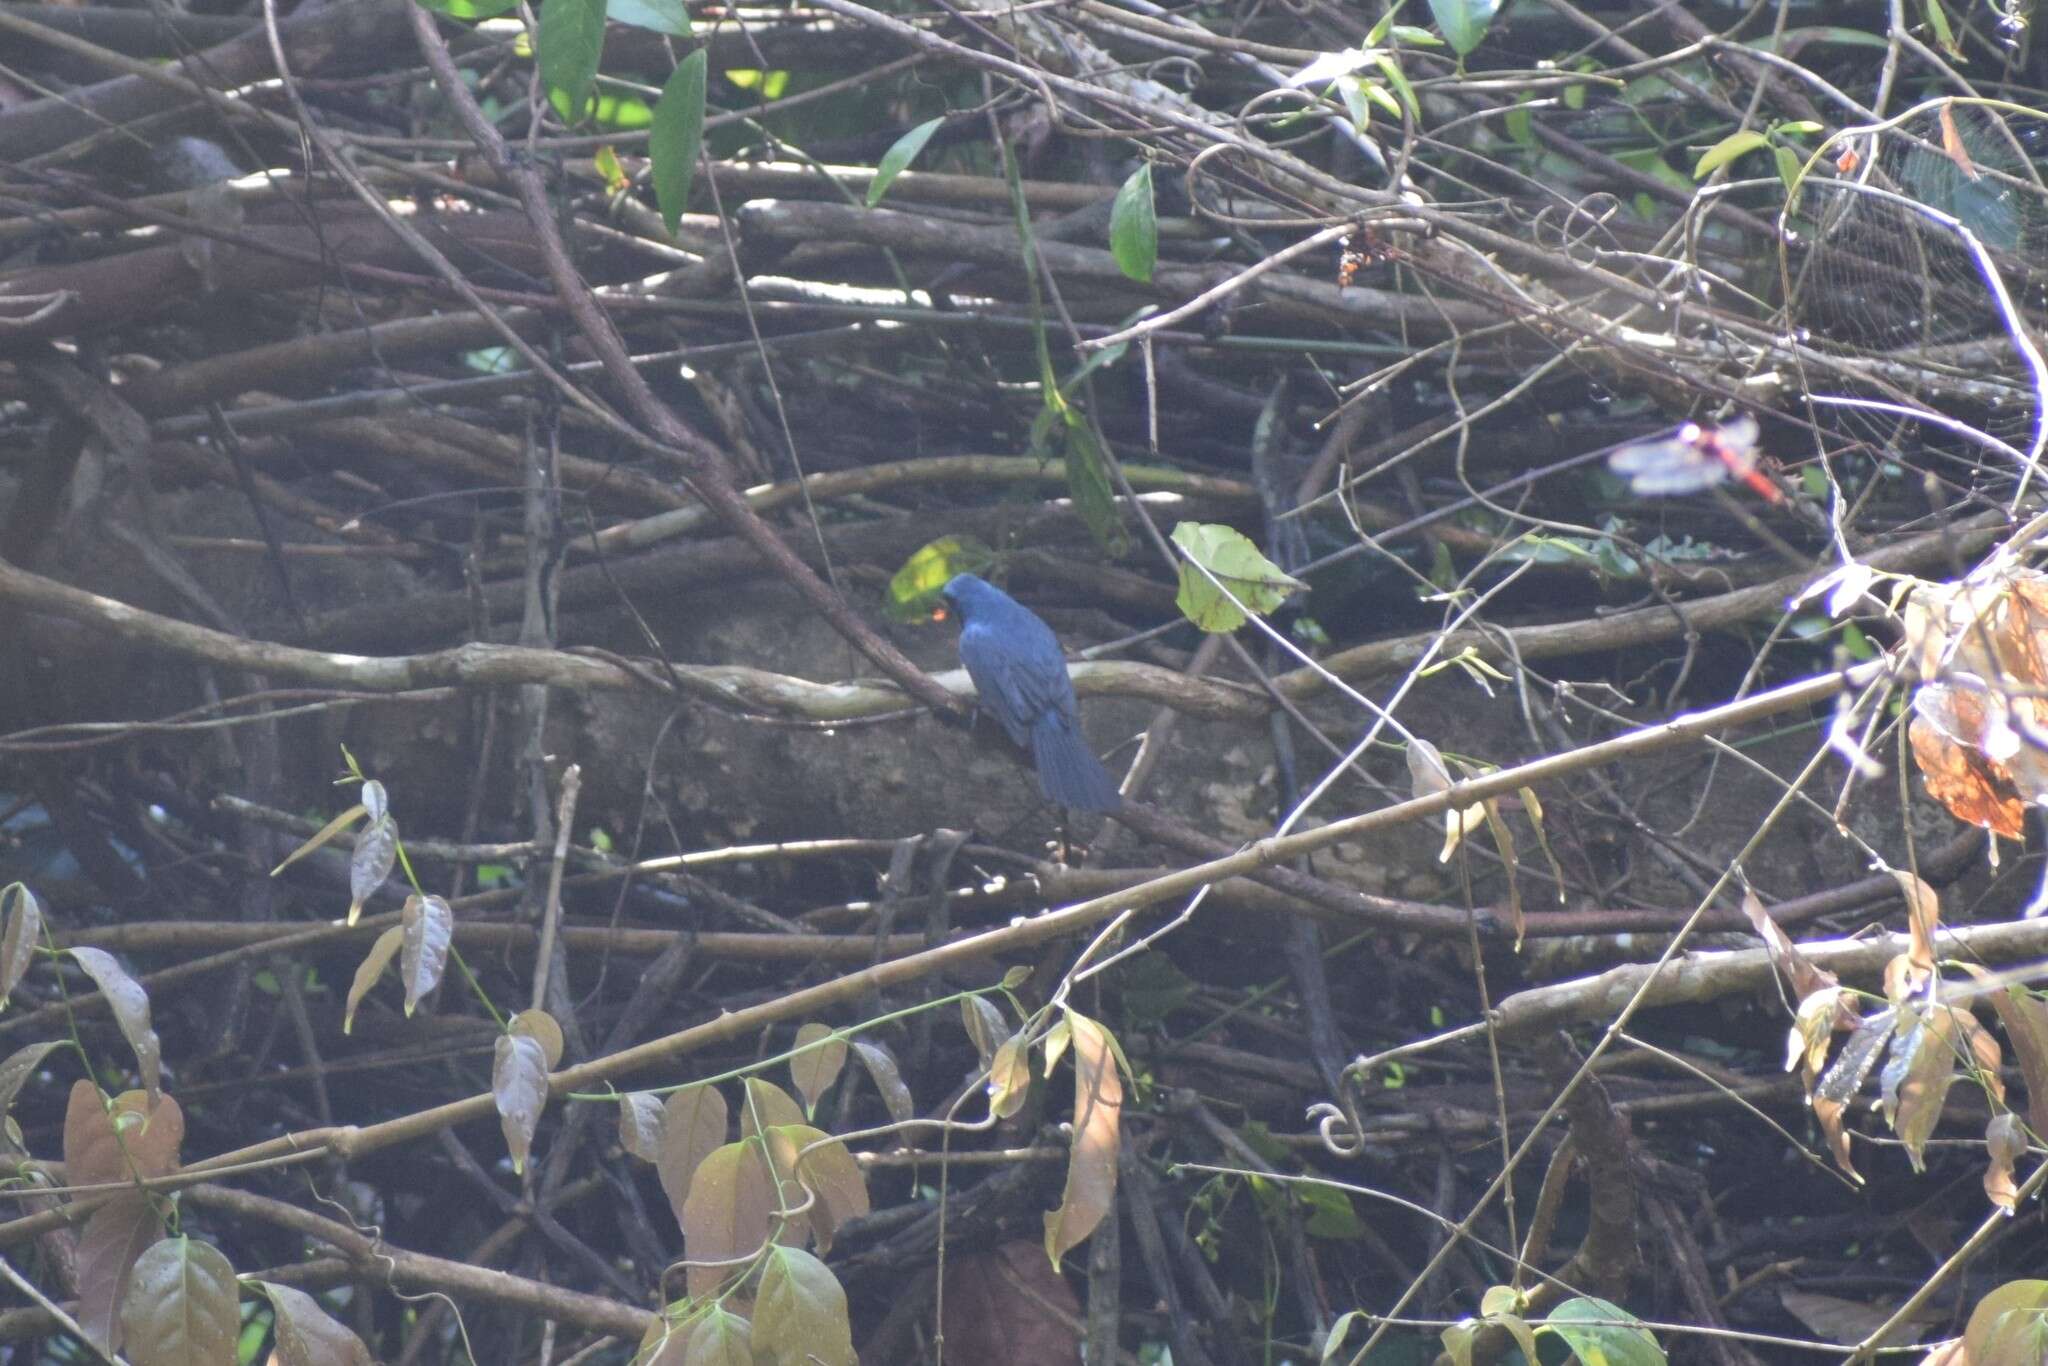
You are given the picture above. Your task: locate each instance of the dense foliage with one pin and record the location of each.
(500, 864)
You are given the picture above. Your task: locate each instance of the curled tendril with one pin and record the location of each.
(1186, 72)
(1340, 1136)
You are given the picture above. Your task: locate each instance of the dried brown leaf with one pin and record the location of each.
(429, 926)
(1504, 844)
(1828, 1113)
(1985, 1058)
(1917, 1078)
(693, 1126)
(182, 1307)
(815, 1070)
(1903, 980)
(1833, 1318)
(1800, 973)
(1813, 1028)
(2025, 1017)
(519, 1086)
(307, 1335)
(21, 929)
(2005, 1143)
(1952, 143)
(1923, 915)
(114, 1235)
(369, 970)
(1090, 1192)
(1457, 825)
(322, 837)
(130, 1005)
(119, 1141)
(1955, 770)
(1008, 1306)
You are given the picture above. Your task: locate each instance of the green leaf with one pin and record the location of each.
(768, 85)
(663, 16)
(519, 1086)
(1735, 145)
(1603, 1333)
(814, 1070)
(469, 9)
(1338, 1331)
(1788, 165)
(901, 153)
(181, 1306)
(800, 1312)
(21, 929)
(426, 928)
(1353, 92)
(1937, 19)
(369, 970)
(1331, 1213)
(677, 137)
(1134, 227)
(2009, 1324)
(1521, 128)
(1398, 79)
(1651, 162)
(1464, 22)
(720, 1338)
(1231, 557)
(1794, 39)
(914, 591)
(571, 41)
(1088, 481)
(130, 1006)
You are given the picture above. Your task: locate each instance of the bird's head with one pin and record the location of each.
(964, 593)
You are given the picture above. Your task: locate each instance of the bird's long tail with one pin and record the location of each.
(1068, 771)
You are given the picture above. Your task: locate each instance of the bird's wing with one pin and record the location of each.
(1019, 672)
(988, 664)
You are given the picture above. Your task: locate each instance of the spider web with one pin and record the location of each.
(1912, 257)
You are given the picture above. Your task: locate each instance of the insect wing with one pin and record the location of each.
(1676, 464)
(1734, 445)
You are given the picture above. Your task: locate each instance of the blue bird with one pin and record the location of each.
(1021, 675)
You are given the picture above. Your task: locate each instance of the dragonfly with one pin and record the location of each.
(1694, 458)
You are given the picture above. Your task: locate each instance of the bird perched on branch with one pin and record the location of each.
(1021, 676)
